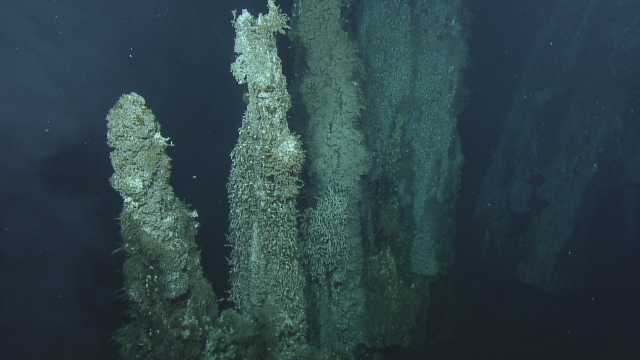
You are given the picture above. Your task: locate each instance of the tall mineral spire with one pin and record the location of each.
(266, 276)
(173, 305)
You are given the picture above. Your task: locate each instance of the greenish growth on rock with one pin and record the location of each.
(324, 228)
(415, 85)
(332, 100)
(266, 276)
(173, 305)
(394, 304)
